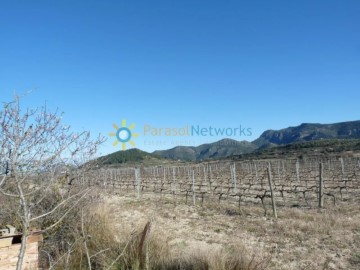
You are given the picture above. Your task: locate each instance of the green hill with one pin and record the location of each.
(131, 155)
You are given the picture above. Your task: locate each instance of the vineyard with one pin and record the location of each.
(292, 183)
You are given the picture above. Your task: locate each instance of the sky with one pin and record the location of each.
(183, 64)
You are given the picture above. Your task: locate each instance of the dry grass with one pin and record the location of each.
(94, 237)
(299, 239)
(109, 232)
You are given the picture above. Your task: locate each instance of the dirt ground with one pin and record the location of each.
(298, 239)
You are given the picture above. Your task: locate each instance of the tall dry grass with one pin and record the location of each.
(89, 238)
(93, 242)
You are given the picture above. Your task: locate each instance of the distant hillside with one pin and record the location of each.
(131, 155)
(325, 147)
(222, 148)
(305, 139)
(309, 132)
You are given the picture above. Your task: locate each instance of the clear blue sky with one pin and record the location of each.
(259, 64)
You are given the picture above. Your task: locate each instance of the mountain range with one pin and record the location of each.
(222, 148)
(309, 132)
(298, 135)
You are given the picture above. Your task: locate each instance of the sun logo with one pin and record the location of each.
(123, 134)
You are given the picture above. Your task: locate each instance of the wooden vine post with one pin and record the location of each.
(193, 187)
(138, 181)
(271, 191)
(321, 186)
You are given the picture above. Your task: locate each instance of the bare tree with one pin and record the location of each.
(36, 151)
